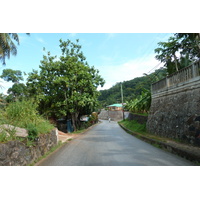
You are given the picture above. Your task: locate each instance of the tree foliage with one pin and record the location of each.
(18, 90)
(187, 45)
(66, 86)
(12, 75)
(131, 89)
(8, 46)
(141, 104)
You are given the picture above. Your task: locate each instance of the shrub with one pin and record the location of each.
(32, 132)
(3, 136)
(24, 114)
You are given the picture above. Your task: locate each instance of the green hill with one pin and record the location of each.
(131, 88)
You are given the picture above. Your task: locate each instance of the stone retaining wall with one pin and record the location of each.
(17, 153)
(139, 118)
(175, 112)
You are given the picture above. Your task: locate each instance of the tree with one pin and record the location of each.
(190, 44)
(18, 90)
(185, 44)
(8, 46)
(12, 75)
(67, 86)
(167, 52)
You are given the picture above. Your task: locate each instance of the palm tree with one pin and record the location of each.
(8, 46)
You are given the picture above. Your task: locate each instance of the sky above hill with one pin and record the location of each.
(118, 56)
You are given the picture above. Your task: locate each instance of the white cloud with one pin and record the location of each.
(40, 40)
(72, 34)
(126, 71)
(4, 86)
(111, 35)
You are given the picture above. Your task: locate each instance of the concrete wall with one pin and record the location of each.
(175, 112)
(114, 115)
(16, 153)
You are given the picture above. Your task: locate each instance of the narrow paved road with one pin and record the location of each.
(107, 144)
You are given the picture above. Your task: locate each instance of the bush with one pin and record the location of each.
(24, 114)
(32, 132)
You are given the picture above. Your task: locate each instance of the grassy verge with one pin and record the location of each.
(134, 126)
(167, 144)
(140, 130)
(142, 114)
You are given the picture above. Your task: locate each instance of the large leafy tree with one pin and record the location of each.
(167, 52)
(12, 75)
(18, 90)
(68, 86)
(190, 44)
(187, 45)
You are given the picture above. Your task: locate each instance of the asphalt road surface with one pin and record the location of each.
(107, 144)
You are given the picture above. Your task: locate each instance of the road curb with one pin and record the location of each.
(188, 152)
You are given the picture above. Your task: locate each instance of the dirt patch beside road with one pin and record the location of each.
(63, 137)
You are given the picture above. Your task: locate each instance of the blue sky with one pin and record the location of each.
(117, 56)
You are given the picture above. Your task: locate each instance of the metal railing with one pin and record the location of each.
(181, 76)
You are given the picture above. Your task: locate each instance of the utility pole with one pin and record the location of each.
(122, 101)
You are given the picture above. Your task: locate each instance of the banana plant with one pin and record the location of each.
(141, 104)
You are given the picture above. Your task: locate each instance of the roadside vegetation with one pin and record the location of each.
(22, 114)
(139, 130)
(65, 87)
(133, 125)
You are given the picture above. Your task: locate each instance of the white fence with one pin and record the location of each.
(183, 75)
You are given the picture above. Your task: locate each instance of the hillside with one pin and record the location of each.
(131, 88)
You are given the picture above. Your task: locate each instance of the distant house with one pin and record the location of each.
(115, 107)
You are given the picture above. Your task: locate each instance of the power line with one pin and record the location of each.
(154, 67)
(159, 62)
(149, 48)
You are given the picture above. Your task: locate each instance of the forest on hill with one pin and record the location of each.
(131, 89)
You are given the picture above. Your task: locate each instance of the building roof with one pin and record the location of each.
(115, 105)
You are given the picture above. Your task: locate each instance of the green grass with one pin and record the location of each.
(134, 126)
(142, 114)
(24, 114)
(140, 129)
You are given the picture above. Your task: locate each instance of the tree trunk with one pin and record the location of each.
(175, 62)
(73, 121)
